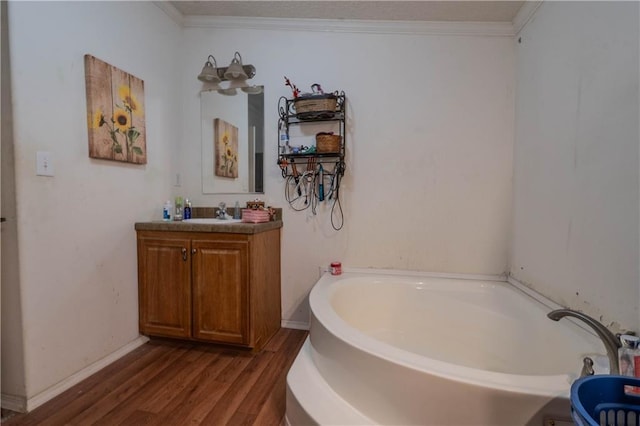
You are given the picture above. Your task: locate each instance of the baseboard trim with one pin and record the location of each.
(296, 325)
(76, 378)
(13, 402)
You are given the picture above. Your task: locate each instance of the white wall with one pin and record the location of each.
(429, 147)
(575, 232)
(76, 238)
(11, 315)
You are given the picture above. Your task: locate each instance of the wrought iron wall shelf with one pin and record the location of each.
(319, 155)
(314, 117)
(289, 117)
(312, 177)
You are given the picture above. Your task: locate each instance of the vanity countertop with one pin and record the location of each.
(231, 228)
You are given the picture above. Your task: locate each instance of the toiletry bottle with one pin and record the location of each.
(236, 210)
(321, 183)
(187, 209)
(629, 355)
(166, 211)
(178, 214)
(283, 145)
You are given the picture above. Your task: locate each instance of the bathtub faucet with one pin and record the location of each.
(610, 341)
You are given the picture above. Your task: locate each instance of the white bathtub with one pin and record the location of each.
(402, 348)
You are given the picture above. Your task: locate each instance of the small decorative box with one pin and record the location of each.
(255, 216)
(256, 204)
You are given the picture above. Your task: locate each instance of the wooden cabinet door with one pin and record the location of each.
(164, 272)
(220, 290)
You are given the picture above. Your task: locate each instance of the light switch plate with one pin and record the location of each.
(44, 163)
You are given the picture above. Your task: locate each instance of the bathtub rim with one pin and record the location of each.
(319, 300)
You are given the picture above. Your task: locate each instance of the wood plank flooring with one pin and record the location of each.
(179, 383)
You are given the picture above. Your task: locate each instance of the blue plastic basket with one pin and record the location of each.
(606, 401)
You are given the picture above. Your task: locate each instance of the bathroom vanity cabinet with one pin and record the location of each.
(221, 287)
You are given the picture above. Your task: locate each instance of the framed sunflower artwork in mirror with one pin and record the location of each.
(226, 148)
(115, 110)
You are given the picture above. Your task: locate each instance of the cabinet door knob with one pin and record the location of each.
(184, 254)
(193, 251)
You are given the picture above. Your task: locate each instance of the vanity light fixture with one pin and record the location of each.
(235, 72)
(209, 72)
(252, 90)
(233, 87)
(228, 92)
(231, 90)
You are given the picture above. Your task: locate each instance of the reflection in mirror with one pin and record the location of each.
(232, 141)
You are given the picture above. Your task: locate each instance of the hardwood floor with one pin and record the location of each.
(177, 383)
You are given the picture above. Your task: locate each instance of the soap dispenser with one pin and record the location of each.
(178, 212)
(187, 209)
(236, 210)
(166, 211)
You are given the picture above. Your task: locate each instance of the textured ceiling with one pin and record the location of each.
(470, 11)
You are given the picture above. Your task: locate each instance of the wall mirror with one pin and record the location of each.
(232, 140)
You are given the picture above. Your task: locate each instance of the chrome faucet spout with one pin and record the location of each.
(610, 341)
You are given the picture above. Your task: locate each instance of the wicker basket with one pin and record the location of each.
(313, 105)
(328, 143)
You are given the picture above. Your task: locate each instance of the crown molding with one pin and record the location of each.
(525, 14)
(493, 29)
(171, 12)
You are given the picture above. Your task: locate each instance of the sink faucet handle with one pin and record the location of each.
(222, 210)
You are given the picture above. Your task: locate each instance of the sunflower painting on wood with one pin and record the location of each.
(115, 113)
(225, 137)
